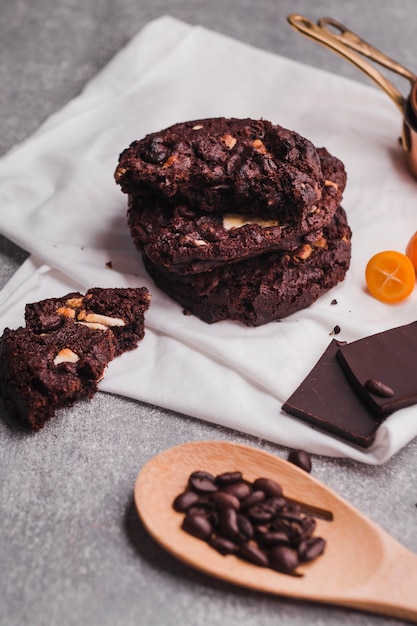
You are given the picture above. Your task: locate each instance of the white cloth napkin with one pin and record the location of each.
(58, 200)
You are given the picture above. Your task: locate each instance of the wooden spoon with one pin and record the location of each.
(363, 567)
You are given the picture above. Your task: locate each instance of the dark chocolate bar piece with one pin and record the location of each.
(381, 368)
(326, 399)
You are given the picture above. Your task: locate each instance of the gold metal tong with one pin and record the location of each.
(333, 35)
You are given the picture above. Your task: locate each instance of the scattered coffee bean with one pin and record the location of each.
(275, 504)
(201, 507)
(239, 489)
(284, 559)
(260, 513)
(197, 525)
(268, 486)
(227, 478)
(273, 538)
(229, 526)
(253, 521)
(202, 482)
(311, 548)
(251, 552)
(301, 459)
(245, 526)
(223, 545)
(254, 498)
(379, 388)
(185, 500)
(222, 499)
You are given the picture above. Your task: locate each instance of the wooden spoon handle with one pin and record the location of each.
(393, 589)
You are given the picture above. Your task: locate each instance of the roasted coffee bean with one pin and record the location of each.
(251, 552)
(283, 559)
(291, 525)
(184, 501)
(254, 521)
(275, 504)
(239, 489)
(254, 498)
(201, 508)
(301, 459)
(223, 499)
(202, 482)
(197, 525)
(228, 478)
(223, 545)
(273, 538)
(268, 486)
(229, 526)
(245, 527)
(260, 513)
(379, 388)
(309, 526)
(311, 548)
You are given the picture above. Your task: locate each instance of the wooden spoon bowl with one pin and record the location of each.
(363, 567)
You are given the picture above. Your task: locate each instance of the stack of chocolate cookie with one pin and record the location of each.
(237, 218)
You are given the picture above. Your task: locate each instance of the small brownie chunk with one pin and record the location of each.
(326, 399)
(381, 368)
(214, 164)
(62, 353)
(40, 373)
(265, 288)
(120, 310)
(186, 240)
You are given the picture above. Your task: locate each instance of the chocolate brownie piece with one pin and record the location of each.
(120, 310)
(381, 368)
(185, 240)
(326, 399)
(40, 373)
(214, 164)
(62, 353)
(264, 288)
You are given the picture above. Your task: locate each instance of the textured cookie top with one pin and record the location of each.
(214, 164)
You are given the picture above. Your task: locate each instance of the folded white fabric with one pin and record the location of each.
(58, 200)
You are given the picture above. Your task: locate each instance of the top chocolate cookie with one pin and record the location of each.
(215, 164)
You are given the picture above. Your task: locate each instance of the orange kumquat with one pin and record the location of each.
(390, 276)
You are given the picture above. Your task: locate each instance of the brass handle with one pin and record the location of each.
(350, 46)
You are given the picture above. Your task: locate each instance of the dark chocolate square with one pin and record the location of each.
(326, 399)
(388, 357)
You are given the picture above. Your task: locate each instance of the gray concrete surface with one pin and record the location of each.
(72, 549)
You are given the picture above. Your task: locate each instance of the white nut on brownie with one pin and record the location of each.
(66, 355)
(235, 220)
(102, 320)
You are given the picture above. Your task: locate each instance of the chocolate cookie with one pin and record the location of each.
(62, 353)
(264, 288)
(215, 164)
(186, 240)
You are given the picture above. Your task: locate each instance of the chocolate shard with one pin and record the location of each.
(326, 399)
(388, 358)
